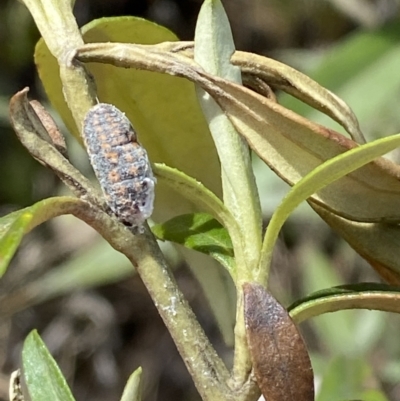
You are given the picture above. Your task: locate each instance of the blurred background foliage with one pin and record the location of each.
(100, 327)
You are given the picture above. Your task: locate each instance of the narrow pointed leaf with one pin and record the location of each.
(10, 237)
(53, 19)
(43, 377)
(206, 201)
(15, 225)
(357, 296)
(320, 177)
(199, 232)
(280, 359)
(213, 50)
(213, 43)
(133, 388)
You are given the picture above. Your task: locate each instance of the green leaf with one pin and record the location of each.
(133, 388)
(213, 45)
(43, 377)
(11, 234)
(213, 48)
(15, 225)
(200, 232)
(217, 289)
(356, 296)
(163, 109)
(53, 18)
(205, 200)
(294, 147)
(319, 178)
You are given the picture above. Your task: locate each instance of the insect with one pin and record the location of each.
(120, 163)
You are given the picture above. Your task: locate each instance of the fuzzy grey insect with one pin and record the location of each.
(120, 163)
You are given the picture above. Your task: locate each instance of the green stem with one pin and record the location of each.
(206, 368)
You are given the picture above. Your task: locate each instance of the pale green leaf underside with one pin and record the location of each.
(213, 49)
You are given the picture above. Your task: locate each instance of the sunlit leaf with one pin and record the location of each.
(199, 232)
(294, 147)
(289, 80)
(43, 377)
(213, 43)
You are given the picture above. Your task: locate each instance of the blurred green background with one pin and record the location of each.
(100, 327)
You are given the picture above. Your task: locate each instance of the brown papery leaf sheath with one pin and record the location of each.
(280, 359)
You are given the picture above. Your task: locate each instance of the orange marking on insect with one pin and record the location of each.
(120, 164)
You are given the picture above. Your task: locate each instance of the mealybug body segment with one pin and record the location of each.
(120, 163)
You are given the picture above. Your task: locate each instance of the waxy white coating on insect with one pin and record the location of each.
(120, 163)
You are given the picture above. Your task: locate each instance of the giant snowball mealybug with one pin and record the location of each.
(120, 163)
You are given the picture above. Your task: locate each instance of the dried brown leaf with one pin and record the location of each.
(280, 359)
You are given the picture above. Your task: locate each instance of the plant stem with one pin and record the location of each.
(60, 31)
